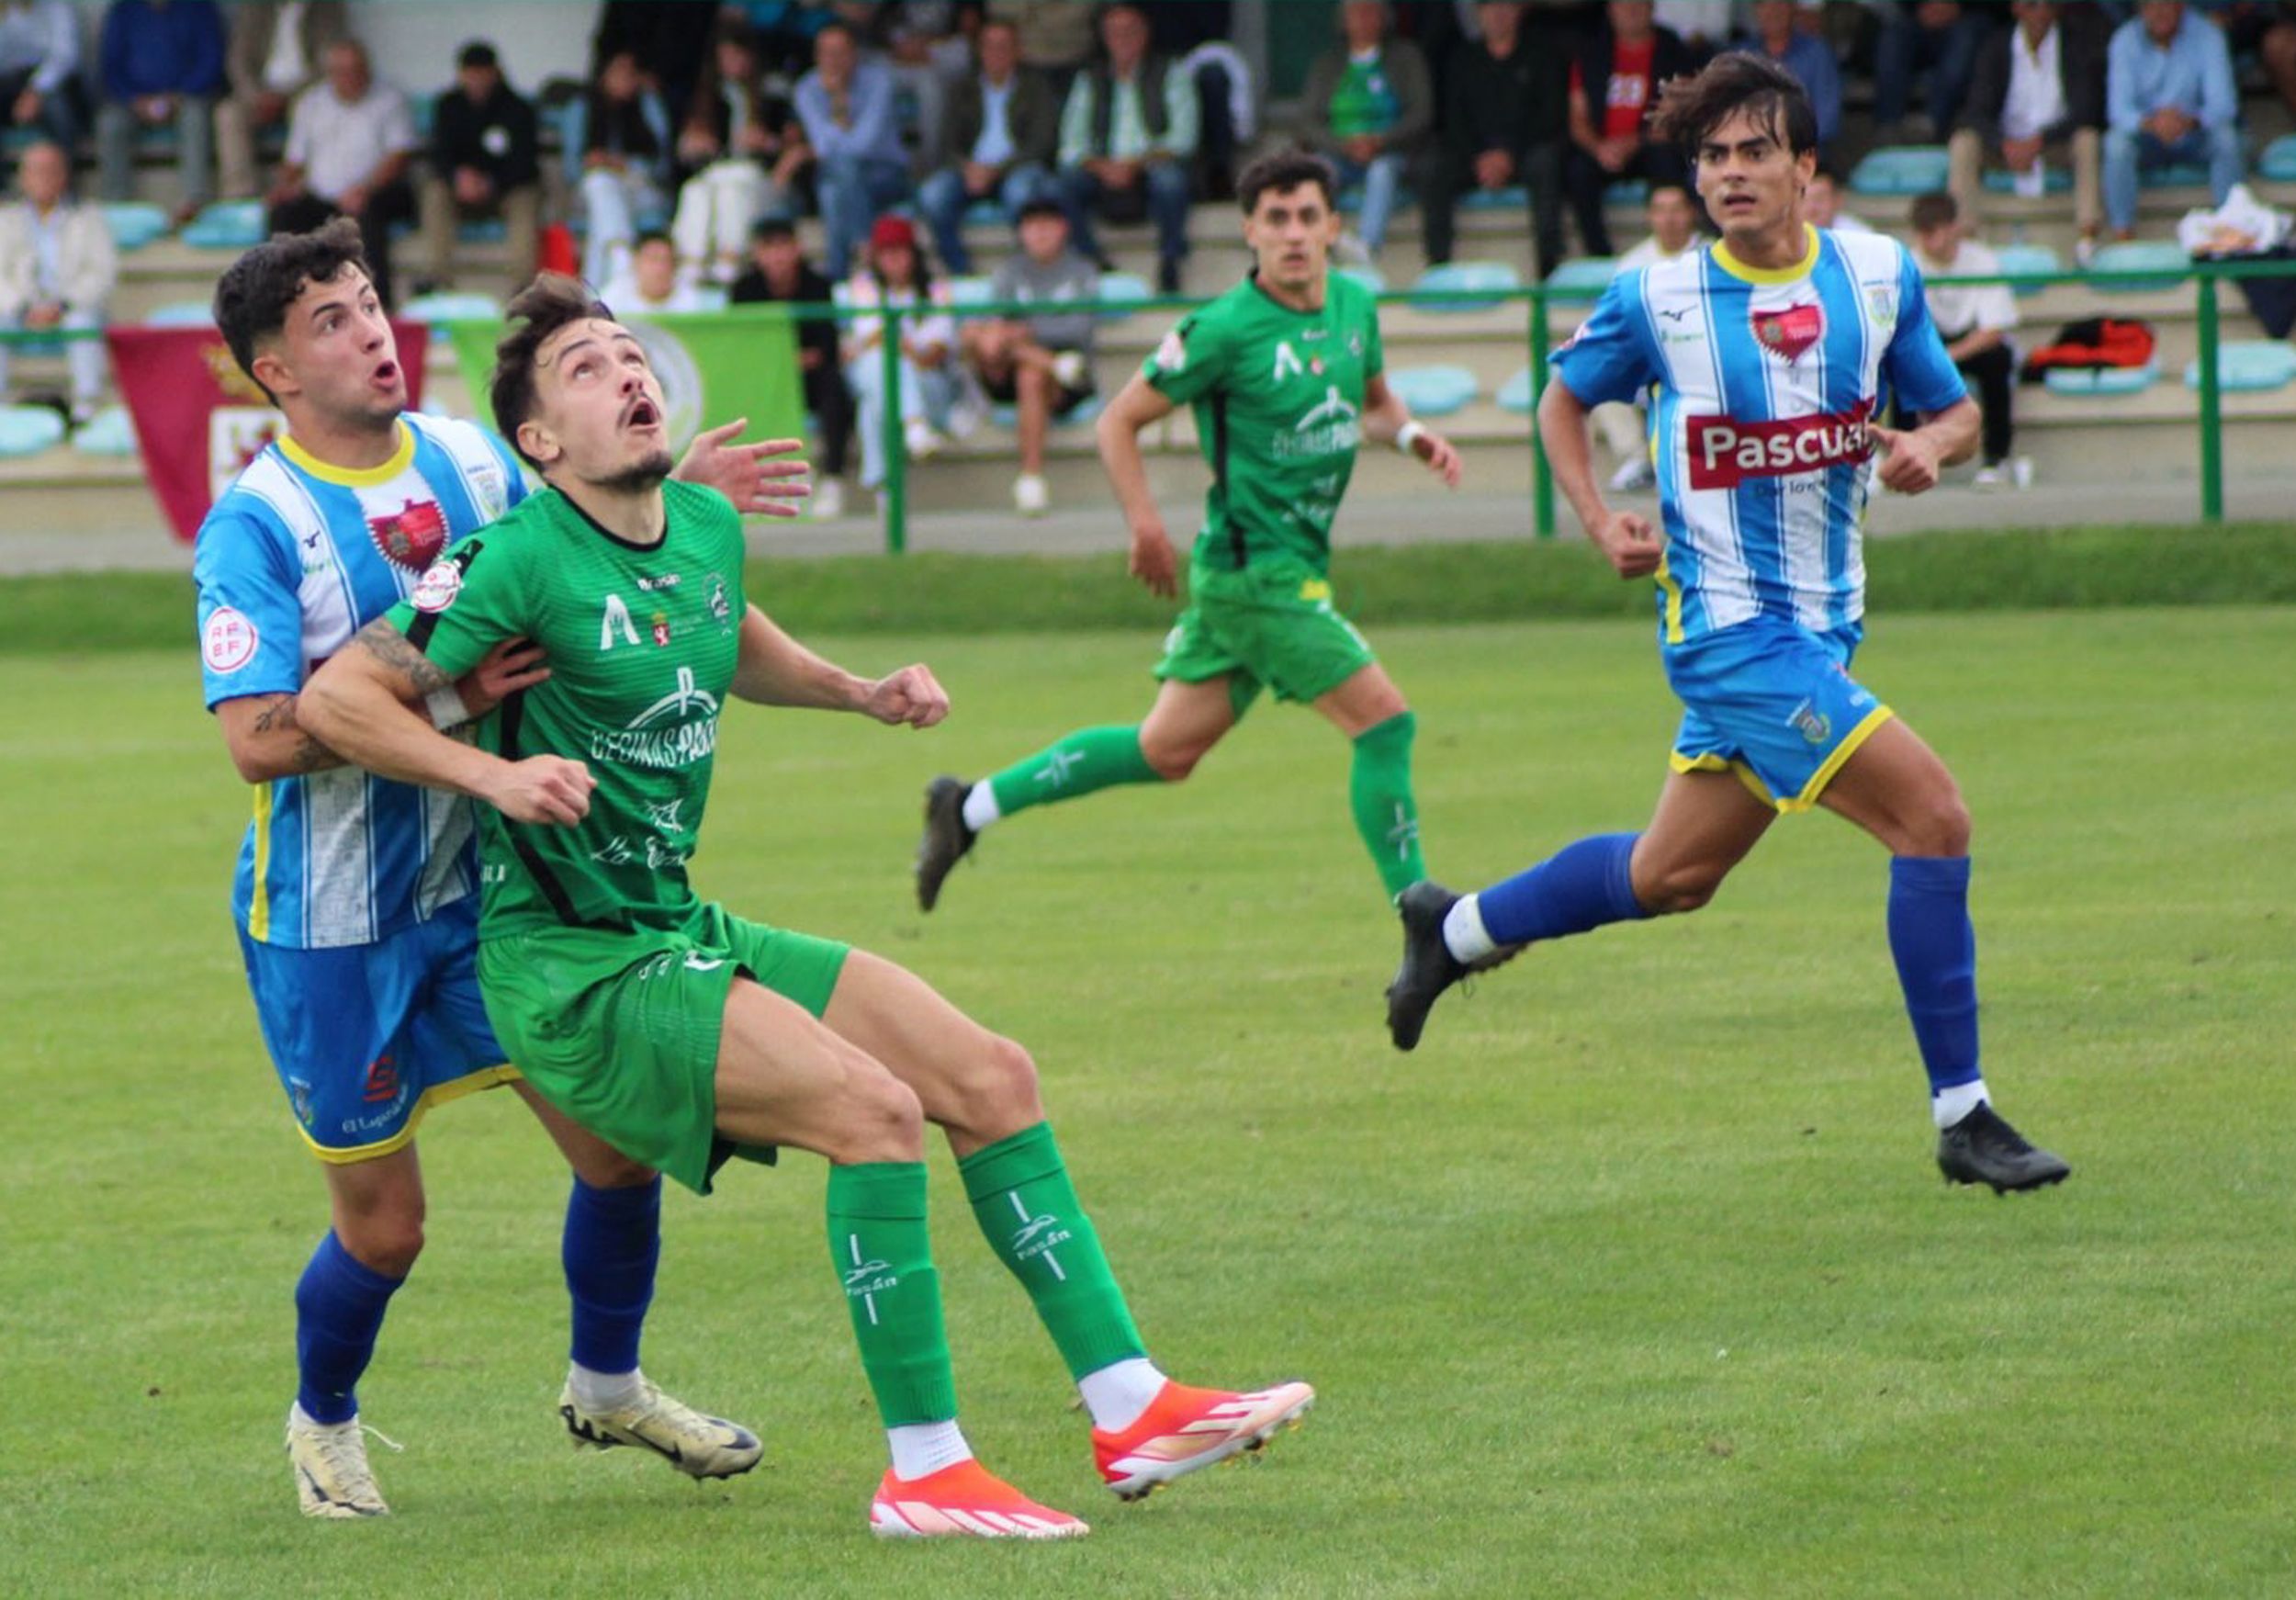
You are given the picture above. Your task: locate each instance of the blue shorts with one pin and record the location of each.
(1775, 703)
(368, 1037)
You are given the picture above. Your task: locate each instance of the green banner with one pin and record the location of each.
(713, 365)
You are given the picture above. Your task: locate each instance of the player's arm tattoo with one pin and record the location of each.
(307, 755)
(396, 651)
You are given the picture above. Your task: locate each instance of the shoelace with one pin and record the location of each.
(345, 1455)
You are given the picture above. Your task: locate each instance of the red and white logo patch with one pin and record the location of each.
(436, 589)
(228, 641)
(1790, 332)
(1725, 452)
(412, 535)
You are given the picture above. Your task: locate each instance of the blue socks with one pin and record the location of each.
(1579, 888)
(1937, 963)
(339, 1307)
(612, 1241)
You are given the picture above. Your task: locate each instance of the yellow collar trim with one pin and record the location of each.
(354, 477)
(1762, 274)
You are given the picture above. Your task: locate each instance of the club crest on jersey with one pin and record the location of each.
(1790, 332)
(1881, 304)
(411, 536)
(436, 589)
(661, 627)
(720, 607)
(228, 641)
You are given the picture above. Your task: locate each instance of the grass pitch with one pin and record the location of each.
(1635, 1279)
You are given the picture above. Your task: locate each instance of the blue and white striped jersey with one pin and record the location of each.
(292, 560)
(1766, 382)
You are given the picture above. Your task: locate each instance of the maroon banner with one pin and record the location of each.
(199, 419)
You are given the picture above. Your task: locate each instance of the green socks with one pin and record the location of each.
(1021, 1195)
(1087, 759)
(1379, 791)
(878, 1239)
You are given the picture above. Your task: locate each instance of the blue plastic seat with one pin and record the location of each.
(226, 225)
(2182, 175)
(111, 431)
(973, 290)
(180, 314)
(1582, 279)
(2248, 367)
(2278, 161)
(987, 212)
(446, 307)
(1085, 412)
(134, 224)
(1433, 391)
(1123, 286)
(1633, 192)
(1468, 281)
(2087, 381)
(1507, 199)
(28, 430)
(2142, 255)
(1901, 169)
(2055, 180)
(1371, 277)
(1517, 394)
(2029, 258)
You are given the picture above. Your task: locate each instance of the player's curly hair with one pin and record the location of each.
(252, 296)
(1691, 108)
(536, 312)
(1285, 169)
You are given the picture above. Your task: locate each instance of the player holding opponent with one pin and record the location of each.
(1284, 372)
(1768, 351)
(355, 896)
(677, 1032)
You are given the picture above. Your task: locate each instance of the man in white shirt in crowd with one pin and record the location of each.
(350, 140)
(2039, 83)
(1821, 204)
(1625, 428)
(1128, 133)
(1974, 321)
(652, 281)
(57, 268)
(274, 53)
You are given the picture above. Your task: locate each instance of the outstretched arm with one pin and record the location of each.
(1136, 405)
(361, 705)
(746, 474)
(775, 669)
(1387, 420)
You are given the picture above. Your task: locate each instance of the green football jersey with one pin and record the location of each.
(1278, 400)
(641, 642)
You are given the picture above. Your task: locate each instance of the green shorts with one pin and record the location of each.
(619, 1028)
(1270, 624)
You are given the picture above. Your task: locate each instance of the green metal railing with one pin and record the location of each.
(1538, 302)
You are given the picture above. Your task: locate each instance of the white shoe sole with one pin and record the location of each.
(886, 1522)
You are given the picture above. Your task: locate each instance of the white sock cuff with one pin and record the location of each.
(922, 1449)
(596, 1391)
(1464, 933)
(1119, 1392)
(1950, 1106)
(980, 805)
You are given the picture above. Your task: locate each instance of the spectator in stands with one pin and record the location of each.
(1821, 204)
(163, 63)
(780, 273)
(1674, 215)
(1056, 38)
(894, 275)
(57, 268)
(623, 135)
(928, 54)
(1502, 126)
(1974, 319)
(652, 281)
(1004, 126)
(1369, 107)
(2169, 98)
(1128, 133)
(2276, 46)
(1040, 363)
(276, 51)
(671, 43)
(483, 165)
(1703, 26)
(40, 57)
(2038, 84)
(1610, 139)
(1940, 38)
(742, 150)
(1777, 35)
(847, 104)
(350, 140)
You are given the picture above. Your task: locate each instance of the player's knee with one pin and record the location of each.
(880, 1120)
(384, 1242)
(1672, 888)
(611, 1169)
(997, 1093)
(1942, 826)
(1170, 757)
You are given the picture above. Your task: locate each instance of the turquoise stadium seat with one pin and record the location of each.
(1123, 286)
(1517, 394)
(28, 430)
(2029, 258)
(2086, 381)
(1433, 391)
(1086, 412)
(2180, 175)
(180, 314)
(134, 224)
(1582, 279)
(2142, 255)
(2248, 367)
(1633, 192)
(1369, 277)
(1901, 169)
(227, 225)
(2278, 161)
(110, 431)
(2055, 180)
(1467, 280)
(969, 291)
(450, 308)
(986, 213)
(1510, 199)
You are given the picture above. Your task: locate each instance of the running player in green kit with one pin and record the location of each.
(1284, 373)
(678, 1032)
